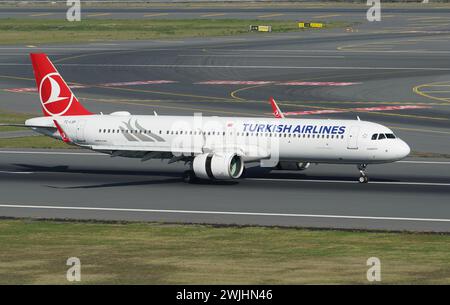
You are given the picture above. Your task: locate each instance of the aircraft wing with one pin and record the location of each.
(23, 125)
(147, 152)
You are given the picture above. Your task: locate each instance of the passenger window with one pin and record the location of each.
(374, 136)
(381, 136)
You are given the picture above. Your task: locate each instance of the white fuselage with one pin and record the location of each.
(300, 140)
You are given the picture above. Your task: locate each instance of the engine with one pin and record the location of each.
(289, 165)
(218, 166)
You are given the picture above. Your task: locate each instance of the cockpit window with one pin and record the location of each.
(390, 136)
(375, 136)
(381, 136)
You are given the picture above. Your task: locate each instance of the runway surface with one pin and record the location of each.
(263, 11)
(399, 77)
(410, 195)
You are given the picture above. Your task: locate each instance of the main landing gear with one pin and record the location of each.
(362, 170)
(189, 176)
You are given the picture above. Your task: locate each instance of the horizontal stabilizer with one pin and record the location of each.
(23, 125)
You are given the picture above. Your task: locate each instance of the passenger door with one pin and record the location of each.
(80, 131)
(352, 140)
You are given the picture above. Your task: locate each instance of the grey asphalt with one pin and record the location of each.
(390, 67)
(328, 10)
(409, 195)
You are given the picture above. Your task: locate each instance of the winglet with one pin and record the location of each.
(275, 109)
(63, 135)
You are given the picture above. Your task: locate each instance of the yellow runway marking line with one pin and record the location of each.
(418, 90)
(98, 15)
(164, 106)
(253, 114)
(213, 15)
(233, 95)
(270, 15)
(153, 105)
(164, 93)
(156, 15)
(425, 17)
(326, 16)
(374, 112)
(432, 20)
(16, 77)
(41, 14)
(93, 54)
(436, 91)
(238, 99)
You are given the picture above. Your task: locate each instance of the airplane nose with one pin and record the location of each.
(403, 149)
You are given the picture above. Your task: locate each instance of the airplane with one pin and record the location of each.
(215, 148)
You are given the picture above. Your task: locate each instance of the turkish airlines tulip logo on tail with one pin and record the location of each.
(56, 97)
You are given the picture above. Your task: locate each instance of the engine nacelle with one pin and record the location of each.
(218, 166)
(289, 165)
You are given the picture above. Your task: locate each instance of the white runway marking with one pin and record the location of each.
(425, 162)
(51, 153)
(49, 207)
(8, 172)
(244, 67)
(262, 56)
(278, 83)
(12, 152)
(340, 51)
(347, 181)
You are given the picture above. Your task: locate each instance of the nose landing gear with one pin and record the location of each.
(362, 170)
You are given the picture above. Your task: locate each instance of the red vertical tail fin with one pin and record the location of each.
(275, 109)
(56, 97)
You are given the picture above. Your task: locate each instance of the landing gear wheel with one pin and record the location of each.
(363, 179)
(362, 170)
(189, 177)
